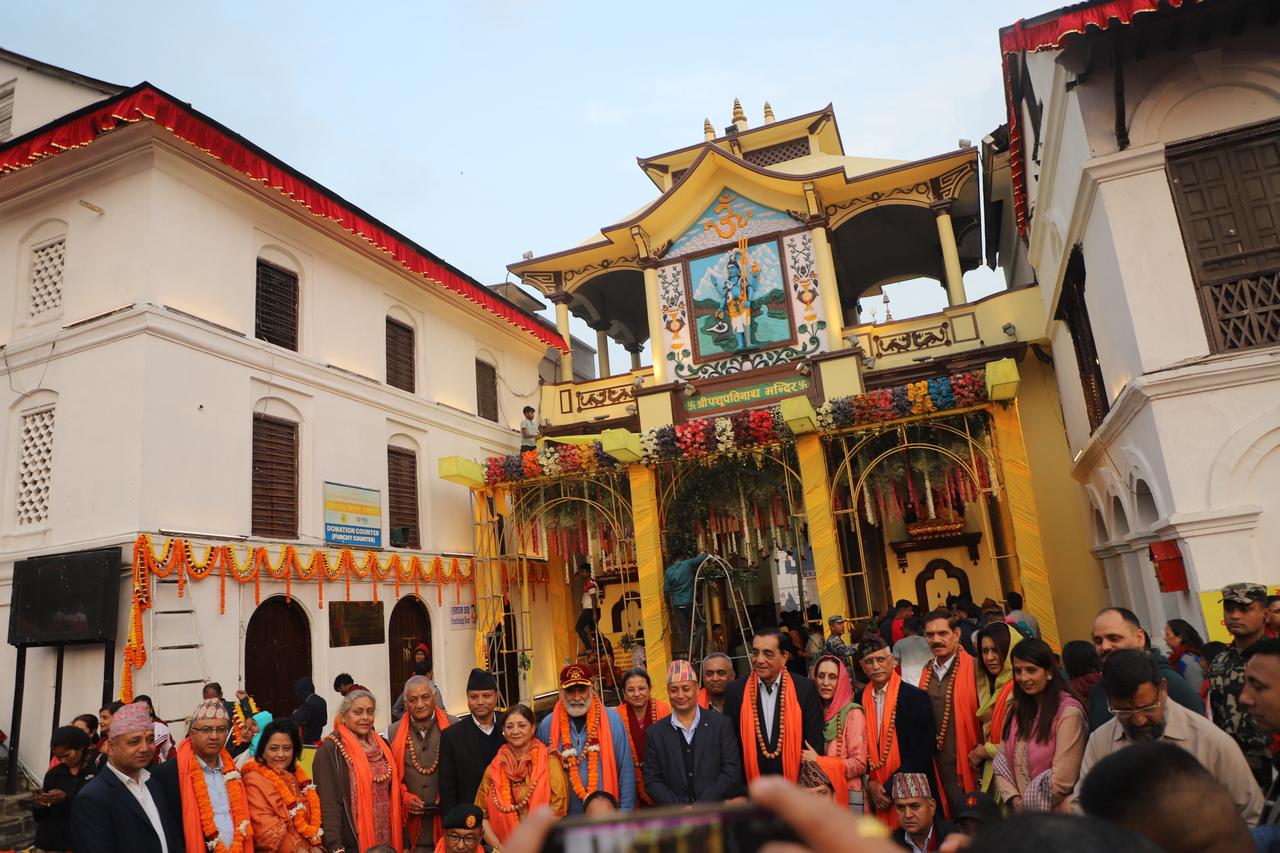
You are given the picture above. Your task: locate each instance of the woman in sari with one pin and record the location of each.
(1044, 736)
(995, 642)
(283, 804)
(845, 734)
(639, 710)
(358, 781)
(520, 779)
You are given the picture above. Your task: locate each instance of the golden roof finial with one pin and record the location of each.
(768, 113)
(708, 132)
(739, 117)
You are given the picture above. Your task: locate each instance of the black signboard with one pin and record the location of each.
(66, 598)
(356, 623)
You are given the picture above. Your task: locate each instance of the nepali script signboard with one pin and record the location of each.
(751, 395)
(352, 516)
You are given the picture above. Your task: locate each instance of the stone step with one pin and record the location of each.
(17, 833)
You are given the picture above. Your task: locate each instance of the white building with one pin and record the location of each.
(1138, 180)
(191, 351)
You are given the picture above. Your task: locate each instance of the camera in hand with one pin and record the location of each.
(741, 828)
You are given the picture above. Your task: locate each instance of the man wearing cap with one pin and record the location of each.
(122, 810)
(463, 830)
(900, 729)
(591, 742)
(835, 644)
(468, 746)
(205, 773)
(921, 829)
(978, 810)
(1244, 612)
(690, 757)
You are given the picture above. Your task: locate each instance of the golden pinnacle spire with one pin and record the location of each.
(768, 113)
(708, 132)
(739, 117)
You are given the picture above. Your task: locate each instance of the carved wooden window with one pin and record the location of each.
(1226, 190)
(276, 309)
(400, 357)
(402, 497)
(1073, 311)
(275, 478)
(486, 391)
(35, 467)
(781, 152)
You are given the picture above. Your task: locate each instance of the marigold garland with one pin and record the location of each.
(239, 808)
(636, 758)
(302, 812)
(500, 789)
(570, 758)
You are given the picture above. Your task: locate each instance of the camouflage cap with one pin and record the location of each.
(1244, 593)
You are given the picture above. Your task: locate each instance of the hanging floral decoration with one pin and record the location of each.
(577, 528)
(944, 393)
(553, 460)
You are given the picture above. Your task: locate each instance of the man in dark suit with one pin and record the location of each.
(119, 811)
(776, 714)
(468, 746)
(689, 756)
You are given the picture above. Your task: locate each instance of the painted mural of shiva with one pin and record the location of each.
(736, 295)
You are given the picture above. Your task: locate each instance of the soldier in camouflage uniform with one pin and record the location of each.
(1244, 609)
(835, 644)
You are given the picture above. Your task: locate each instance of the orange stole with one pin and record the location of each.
(358, 765)
(964, 716)
(657, 709)
(703, 702)
(998, 713)
(893, 758)
(833, 766)
(608, 761)
(791, 721)
(505, 823)
(413, 822)
(192, 827)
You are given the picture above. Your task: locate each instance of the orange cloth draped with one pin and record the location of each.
(998, 712)
(792, 722)
(964, 716)
(413, 822)
(833, 766)
(608, 761)
(505, 823)
(362, 803)
(893, 760)
(192, 827)
(704, 702)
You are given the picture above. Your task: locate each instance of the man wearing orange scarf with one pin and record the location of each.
(776, 714)
(205, 781)
(591, 742)
(951, 680)
(415, 745)
(900, 729)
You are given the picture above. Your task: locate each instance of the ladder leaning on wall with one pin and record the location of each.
(180, 666)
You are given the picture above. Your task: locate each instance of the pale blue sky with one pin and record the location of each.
(483, 129)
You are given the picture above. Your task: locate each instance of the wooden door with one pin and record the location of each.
(410, 625)
(277, 653)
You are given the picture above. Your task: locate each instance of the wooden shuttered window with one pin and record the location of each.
(275, 478)
(1073, 311)
(400, 356)
(1226, 190)
(486, 391)
(402, 498)
(276, 308)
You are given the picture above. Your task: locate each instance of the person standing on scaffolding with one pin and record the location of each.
(586, 626)
(678, 584)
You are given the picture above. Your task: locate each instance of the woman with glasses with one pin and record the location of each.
(520, 779)
(1044, 735)
(358, 780)
(283, 804)
(638, 711)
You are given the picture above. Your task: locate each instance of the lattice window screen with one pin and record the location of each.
(36, 467)
(6, 111)
(771, 155)
(46, 278)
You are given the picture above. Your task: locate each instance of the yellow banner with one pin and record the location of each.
(649, 574)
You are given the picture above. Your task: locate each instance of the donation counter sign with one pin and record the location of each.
(352, 516)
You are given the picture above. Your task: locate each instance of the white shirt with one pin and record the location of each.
(219, 800)
(142, 794)
(693, 727)
(912, 651)
(911, 845)
(940, 670)
(486, 729)
(768, 702)
(589, 598)
(528, 432)
(879, 696)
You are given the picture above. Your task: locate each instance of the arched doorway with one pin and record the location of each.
(410, 625)
(277, 647)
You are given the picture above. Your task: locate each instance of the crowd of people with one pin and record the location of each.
(993, 727)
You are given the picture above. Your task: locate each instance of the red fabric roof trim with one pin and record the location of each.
(149, 104)
(1048, 35)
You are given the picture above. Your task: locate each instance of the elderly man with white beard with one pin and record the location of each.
(591, 742)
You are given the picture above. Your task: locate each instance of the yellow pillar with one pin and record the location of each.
(829, 288)
(1016, 473)
(653, 308)
(562, 325)
(950, 255)
(649, 572)
(602, 352)
(822, 531)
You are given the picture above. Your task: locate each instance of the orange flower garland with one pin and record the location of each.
(570, 759)
(500, 791)
(301, 812)
(239, 808)
(636, 758)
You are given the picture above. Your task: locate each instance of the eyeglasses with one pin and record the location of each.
(459, 839)
(220, 731)
(1130, 713)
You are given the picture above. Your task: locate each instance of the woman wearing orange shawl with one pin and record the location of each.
(522, 778)
(358, 780)
(995, 685)
(638, 711)
(283, 804)
(845, 732)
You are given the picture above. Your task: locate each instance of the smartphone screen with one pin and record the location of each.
(743, 828)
